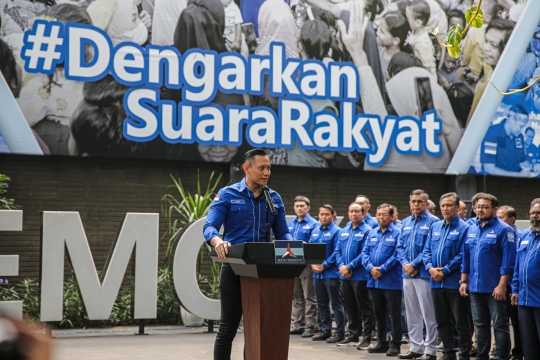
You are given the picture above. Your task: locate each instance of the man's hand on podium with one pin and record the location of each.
(221, 247)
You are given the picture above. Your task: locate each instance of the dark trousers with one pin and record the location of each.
(451, 307)
(231, 312)
(513, 311)
(381, 300)
(529, 323)
(358, 308)
(484, 309)
(328, 291)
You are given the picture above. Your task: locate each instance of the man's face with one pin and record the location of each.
(418, 204)
(462, 212)
(362, 201)
(501, 214)
(217, 153)
(356, 215)
(449, 209)
(325, 216)
(529, 137)
(258, 172)
(534, 216)
(484, 210)
(517, 123)
(491, 46)
(383, 217)
(301, 209)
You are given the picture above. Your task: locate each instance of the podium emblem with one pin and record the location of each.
(289, 251)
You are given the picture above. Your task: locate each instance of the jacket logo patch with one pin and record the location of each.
(345, 234)
(436, 233)
(237, 201)
(407, 228)
(471, 235)
(359, 234)
(306, 227)
(373, 239)
(425, 227)
(455, 232)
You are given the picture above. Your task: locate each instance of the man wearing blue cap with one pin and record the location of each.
(503, 147)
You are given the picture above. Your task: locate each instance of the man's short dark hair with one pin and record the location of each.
(361, 206)
(300, 198)
(421, 193)
(385, 205)
(328, 207)
(489, 197)
(316, 39)
(364, 196)
(456, 14)
(452, 195)
(249, 156)
(528, 128)
(509, 211)
(503, 25)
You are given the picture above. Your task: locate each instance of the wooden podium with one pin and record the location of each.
(267, 292)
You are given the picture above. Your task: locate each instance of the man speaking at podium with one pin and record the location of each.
(241, 209)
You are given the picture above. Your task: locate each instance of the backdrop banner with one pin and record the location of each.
(201, 81)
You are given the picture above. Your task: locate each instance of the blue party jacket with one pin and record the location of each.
(243, 216)
(329, 237)
(349, 248)
(526, 281)
(414, 233)
(301, 230)
(489, 252)
(444, 249)
(380, 250)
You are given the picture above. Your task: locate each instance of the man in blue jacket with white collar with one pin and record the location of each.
(326, 278)
(526, 284)
(443, 254)
(489, 256)
(379, 257)
(304, 300)
(416, 289)
(353, 276)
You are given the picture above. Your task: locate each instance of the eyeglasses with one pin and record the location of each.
(417, 201)
(534, 213)
(482, 207)
(382, 215)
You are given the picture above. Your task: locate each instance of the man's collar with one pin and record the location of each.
(490, 222)
(243, 185)
(306, 218)
(422, 215)
(329, 227)
(390, 227)
(455, 222)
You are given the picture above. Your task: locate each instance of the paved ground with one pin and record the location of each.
(180, 343)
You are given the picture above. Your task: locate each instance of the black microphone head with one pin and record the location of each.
(265, 188)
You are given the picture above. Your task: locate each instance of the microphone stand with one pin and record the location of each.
(269, 209)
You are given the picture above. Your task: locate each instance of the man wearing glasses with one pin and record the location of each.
(503, 147)
(526, 284)
(416, 289)
(489, 255)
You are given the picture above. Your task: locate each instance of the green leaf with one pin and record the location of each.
(455, 35)
(478, 20)
(454, 51)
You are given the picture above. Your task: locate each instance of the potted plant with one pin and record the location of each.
(181, 209)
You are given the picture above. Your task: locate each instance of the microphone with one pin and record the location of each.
(266, 191)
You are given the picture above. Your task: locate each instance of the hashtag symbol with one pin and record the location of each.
(43, 47)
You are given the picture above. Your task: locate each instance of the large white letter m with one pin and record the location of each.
(61, 228)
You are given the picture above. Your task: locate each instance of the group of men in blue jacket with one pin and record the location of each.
(444, 271)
